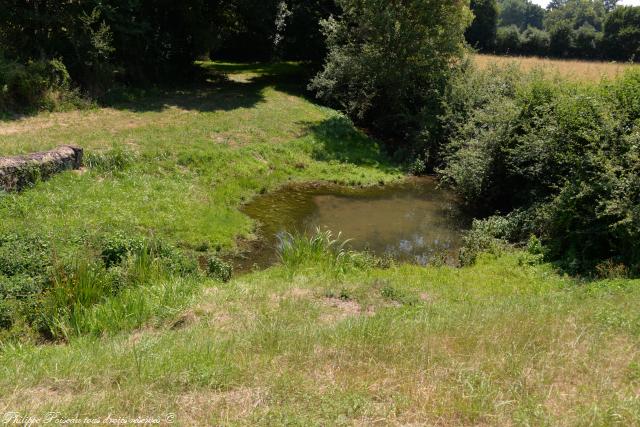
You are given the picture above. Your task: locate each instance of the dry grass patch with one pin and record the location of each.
(588, 71)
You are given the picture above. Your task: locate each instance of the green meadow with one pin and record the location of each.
(326, 337)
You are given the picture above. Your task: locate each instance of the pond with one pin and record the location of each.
(411, 221)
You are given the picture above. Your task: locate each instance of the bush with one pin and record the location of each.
(508, 40)
(485, 236)
(218, 269)
(560, 161)
(115, 247)
(25, 264)
(535, 42)
(35, 85)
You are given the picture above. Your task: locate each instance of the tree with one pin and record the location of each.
(521, 13)
(482, 32)
(586, 41)
(508, 40)
(622, 33)
(535, 42)
(576, 13)
(562, 39)
(388, 61)
(144, 40)
(303, 38)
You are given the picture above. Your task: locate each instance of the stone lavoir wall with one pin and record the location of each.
(18, 172)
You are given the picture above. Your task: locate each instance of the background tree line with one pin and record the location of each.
(589, 29)
(48, 46)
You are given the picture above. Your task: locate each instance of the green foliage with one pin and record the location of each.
(521, 13)
(52, 295)
(25, 263)
(561, 160)
(573, 28)
(35, 85)
(218, 269)
(485, 236)
(508, 40)
(535, 42)
(622, 33)
(575, 14)
(561, 39)
(481, 33)
(115, 247)
(388, 62)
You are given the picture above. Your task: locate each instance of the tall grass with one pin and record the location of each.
(576, 70)
(321, 248)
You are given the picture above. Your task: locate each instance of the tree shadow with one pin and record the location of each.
(213, 86)
(338, 140)
(217, 87)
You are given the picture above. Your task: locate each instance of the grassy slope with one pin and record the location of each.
(499, 343)
(195, 155)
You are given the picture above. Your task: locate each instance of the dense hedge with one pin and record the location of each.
(559, 160)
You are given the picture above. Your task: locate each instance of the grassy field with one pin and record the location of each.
(495, 344)
(569, 69)
(178, 163)
(324, 339)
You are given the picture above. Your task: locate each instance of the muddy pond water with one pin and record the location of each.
(411, 221)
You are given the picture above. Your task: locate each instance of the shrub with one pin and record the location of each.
(560, 161)
(535, 42)
(25, 264)
(115, 247)
(218, 269)
(508, 40)
(35, 85)
(485, 236)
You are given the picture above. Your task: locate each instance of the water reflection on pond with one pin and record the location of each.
(413, 221)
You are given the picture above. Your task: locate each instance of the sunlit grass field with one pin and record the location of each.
(323, 339)
(576, 70)
(178, 163)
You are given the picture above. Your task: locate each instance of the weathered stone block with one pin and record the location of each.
(19, 171)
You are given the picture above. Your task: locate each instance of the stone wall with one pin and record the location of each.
(18, 172)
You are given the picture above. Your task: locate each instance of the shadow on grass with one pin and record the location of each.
(338, 140)
(216, 88)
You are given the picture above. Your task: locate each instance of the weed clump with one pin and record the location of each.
(52, 296)
(321, 248)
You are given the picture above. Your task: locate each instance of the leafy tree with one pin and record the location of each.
(388, 61)
(508, 40)
(303, 38)
(586, 40)
(482, 32)
(521, 13)
(143, 40)
(576, 13)
(622, 33)
(562, 39)
(535, 42)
